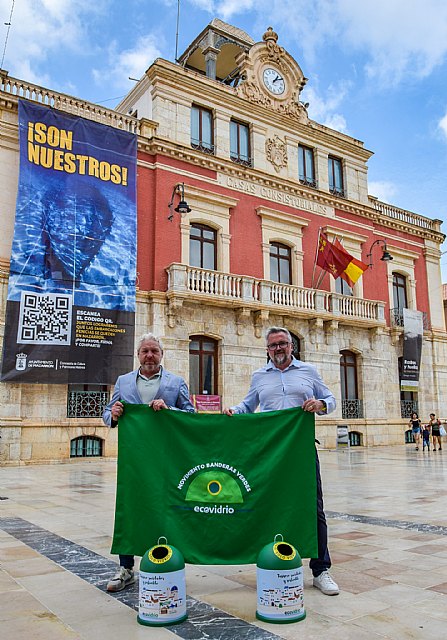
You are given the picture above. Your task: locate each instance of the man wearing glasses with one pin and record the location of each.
(283, 383)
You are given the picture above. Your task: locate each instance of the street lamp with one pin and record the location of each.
(182, 206)
(386, 256)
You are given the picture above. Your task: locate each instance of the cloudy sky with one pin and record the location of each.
(376, 69)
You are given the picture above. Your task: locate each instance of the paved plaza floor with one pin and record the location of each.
(387, 516)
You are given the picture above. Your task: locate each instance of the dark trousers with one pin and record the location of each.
(323, 562)
(127, 562)
(317, 565)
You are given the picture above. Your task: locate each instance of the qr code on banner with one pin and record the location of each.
(45, 318)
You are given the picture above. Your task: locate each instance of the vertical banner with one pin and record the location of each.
(411, 361)
(70, 311)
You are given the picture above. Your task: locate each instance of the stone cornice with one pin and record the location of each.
(189, 155)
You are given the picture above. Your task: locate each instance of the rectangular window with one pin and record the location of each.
(306, 167)
(86, 400)
(335, 168)
(240, 143)
(202, 129)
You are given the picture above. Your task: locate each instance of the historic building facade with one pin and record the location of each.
(225, 130)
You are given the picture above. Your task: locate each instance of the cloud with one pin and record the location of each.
(443, 125)
(397, 39)
(41, 30)
(128, 63)
(325, 109)
(383, 190)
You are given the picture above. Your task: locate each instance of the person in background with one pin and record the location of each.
(416, 429)
(435, 425)
(150, 384)
(426, 437)
(283, 383)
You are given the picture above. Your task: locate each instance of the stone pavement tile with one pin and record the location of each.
(34, 566)
(39, 626)
(352, 535)
(424, 563)
(338, 557)
(240, 602)
(435, 608)
(14, 603)
(313, 627)
(17, 552)
(390, 555)
(419, 536)
(199, 581)
(247, 578)
(7, 583)
(344, 607)
(430, 549)
(356, 582)
(397, 594)
(403, 622)
(418, 578)
(121, 626)
(441, 588)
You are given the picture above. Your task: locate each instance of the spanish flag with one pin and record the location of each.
(333, 257)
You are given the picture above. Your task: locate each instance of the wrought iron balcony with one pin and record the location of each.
(397, 318)
(201, 145)
(308, 182)
(337, 191)
(351, 409)
(219, 288)
(86, 404)
(241, 159)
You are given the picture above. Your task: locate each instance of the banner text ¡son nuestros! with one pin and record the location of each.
(63, 159)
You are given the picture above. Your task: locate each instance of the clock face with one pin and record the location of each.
(274, 81)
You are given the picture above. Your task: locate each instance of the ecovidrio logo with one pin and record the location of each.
(214, 488)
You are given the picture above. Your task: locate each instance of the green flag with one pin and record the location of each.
(218, 487)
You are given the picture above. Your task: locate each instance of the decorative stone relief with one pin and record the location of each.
(276, 151)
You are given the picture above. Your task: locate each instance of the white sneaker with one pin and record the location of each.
(326, 585)
(121, 580)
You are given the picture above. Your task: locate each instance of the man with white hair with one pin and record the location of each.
(150, 384)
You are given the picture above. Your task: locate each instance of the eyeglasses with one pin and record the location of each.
(277, 345)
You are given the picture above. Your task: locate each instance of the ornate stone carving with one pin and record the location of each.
(254, 94)
(276, 151)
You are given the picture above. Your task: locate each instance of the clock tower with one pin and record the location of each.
(272, 78)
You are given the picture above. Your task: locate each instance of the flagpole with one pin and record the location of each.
(316, 256)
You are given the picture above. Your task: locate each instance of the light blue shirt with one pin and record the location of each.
(272, 389)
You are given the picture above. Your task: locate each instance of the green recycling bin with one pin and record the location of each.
(162, 596)
(279, 577)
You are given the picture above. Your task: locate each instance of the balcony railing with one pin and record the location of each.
(408, 217)
(86, 404)
(397, 318)
(20, 89)
(205, 147)
(249, 291)
(351, 409)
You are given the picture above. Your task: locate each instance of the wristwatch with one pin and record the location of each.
(324, 408)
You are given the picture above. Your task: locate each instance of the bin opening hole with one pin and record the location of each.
(160, 553)
(285, 549)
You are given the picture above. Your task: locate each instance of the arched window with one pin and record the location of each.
(296, 346)
(280, 263)
(351, 405)
(203, 365)
(202, 247)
